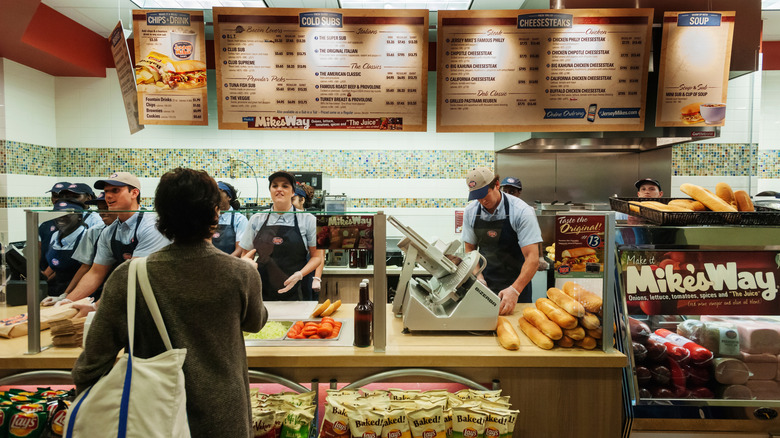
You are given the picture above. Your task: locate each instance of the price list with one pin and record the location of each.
(542, 70)
(321, 69)
(172, 107)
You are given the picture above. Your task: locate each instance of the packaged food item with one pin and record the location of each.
(721, 338)
(297, 423)
(403, 394)
(468, 422)
(497, 423)
(27, 420)
(396, 424)
(263, 421)
(730, 371)
(335, 421)
(56, 424)
(366, 423)
(699, 354)
(428, 423)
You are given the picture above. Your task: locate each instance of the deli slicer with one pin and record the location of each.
(452, 299)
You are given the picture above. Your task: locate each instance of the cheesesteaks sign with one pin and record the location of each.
(542, 70)
(694, 71)
(307, 69)
(702, 282)
(170, 67)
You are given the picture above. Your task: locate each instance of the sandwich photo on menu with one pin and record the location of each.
(580, 258)
(691, 114)
(158, 72)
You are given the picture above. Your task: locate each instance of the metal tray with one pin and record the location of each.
(286, 323)
(762, 215)
(343, 323)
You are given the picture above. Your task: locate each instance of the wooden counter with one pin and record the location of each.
(560, 393)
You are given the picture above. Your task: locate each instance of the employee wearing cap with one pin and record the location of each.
(512, 186)
(231, 223)
(86, 250)
(133, 234)
(648, 188)
(82, 193)
(505, 231)
(286, 244)
(47, 228)
(302, 200)
(70, 229)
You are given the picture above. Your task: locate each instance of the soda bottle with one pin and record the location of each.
(363, 317)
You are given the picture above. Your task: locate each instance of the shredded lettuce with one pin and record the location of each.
(271, 330)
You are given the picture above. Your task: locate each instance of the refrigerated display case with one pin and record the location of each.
(700, 323)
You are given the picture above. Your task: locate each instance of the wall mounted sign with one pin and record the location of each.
(170, 69)
(542, 70)
(324, 69)
(694, 72)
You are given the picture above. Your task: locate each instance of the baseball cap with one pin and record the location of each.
(119, 179)
(282, 174)
(479, 180)
(79, 188)
(58, 187)
(65, 205)
(512, 181)
(639, 183)
(98, 200)
(225, 188)
(300, 192)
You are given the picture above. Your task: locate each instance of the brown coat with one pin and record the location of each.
(207, 298)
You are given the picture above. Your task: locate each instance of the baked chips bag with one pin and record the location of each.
(428, 423)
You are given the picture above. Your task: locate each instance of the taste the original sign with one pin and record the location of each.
(701, 282)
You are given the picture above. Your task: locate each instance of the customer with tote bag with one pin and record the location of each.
(206, 299)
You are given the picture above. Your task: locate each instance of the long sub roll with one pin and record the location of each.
(590, 301)
(724, 192)
(688, 203)
(566, 302)
(535, 335)
(507, 336)
(655, 205)
(744, 203)
(576, 333)
(540, 321)
(556, 314)
(706, 197)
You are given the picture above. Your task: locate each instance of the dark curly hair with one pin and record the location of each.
(187, 202)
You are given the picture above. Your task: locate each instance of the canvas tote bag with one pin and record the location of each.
(141, 398)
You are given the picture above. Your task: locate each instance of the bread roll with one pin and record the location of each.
(724, 192)
(655, 205)
(565, 342)
(535, 335)
(555, 313)
(744, 203)
(587, 343)
(540, 321)
(576, 333)
(590, 321)
(590, 301)
(507, 336)
(566, 302)
(688, 203)
(706, 197)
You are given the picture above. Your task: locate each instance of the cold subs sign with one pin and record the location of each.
(702, 282)
(305, 69)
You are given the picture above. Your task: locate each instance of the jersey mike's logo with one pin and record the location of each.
(492, 233)
(216, 235)
(277, 240)
(472, 184)
(55, 262)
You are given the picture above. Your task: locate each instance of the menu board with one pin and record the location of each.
(542, 70)
(579, 246)
(126, 75)
(694, 73)
(321, 69)
(170, 53)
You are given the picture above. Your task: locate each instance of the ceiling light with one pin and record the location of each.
(770, 5)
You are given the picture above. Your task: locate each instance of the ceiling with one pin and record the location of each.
(27, 26)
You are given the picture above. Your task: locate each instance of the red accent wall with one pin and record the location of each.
(771, 51)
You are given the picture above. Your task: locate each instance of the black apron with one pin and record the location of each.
(497, 242)
(62, 263)
(225, 236)
(281, 251)
(45, 231)
(120, 251)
